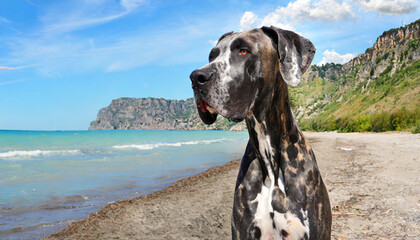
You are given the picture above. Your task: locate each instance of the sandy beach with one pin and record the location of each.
(373, 182)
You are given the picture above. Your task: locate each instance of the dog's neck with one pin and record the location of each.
(274, 134)
(274, 116)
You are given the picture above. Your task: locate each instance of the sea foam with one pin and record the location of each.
(36, 153)
(158, 145)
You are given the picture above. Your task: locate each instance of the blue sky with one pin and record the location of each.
(61, 61)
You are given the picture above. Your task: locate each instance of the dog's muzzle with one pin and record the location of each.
(199, 78)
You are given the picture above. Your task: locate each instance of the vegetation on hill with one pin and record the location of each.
(376, 91)
(387, 104)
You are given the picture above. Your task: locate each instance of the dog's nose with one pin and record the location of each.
(201, 76)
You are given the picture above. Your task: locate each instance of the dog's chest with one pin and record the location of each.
(272, 219)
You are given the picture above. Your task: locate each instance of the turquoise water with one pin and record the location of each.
(50, 178)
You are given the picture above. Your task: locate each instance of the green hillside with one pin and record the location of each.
(377, 91)
(389, 103)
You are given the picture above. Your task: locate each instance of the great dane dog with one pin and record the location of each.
(279, 191)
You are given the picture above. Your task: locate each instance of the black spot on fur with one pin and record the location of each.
(272, 215)
(293, 163)
(301, 167)
(284, 233)
(255, 233)
(309, 177)
(292, 152)
(293, 138)
(214, 53)
(277, 202)
(316, 178)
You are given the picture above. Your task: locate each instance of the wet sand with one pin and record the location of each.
(373, 182)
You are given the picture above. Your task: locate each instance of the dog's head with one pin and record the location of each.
(243, 66)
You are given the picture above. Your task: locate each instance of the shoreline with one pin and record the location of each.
(178, 186)
(372, 180)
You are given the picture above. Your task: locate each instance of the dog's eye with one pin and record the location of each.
(243, 52)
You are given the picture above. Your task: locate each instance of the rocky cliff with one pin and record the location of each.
(153, 114)
(146, 113)
(398, 46)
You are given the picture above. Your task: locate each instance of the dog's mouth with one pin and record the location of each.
(207, 114)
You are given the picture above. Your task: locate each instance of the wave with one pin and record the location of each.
(22, 154)
(158, 145)
(36, 153)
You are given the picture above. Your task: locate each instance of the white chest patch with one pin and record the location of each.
(278, 226)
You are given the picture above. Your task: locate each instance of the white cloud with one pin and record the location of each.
(6, 68)
(390, 7)
(273, 19)
(2, 19)
(294, 11)
(76, 23)
(249, 20)
(334, 57)
(131, 4)
(331, 11)
(87, 14)
(213, 42)
(298, 12)
(304, 10)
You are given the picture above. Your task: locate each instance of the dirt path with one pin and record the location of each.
(373, 182)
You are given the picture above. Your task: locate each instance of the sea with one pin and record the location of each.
(51, 178)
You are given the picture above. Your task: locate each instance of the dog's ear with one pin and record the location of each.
(295, 53)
